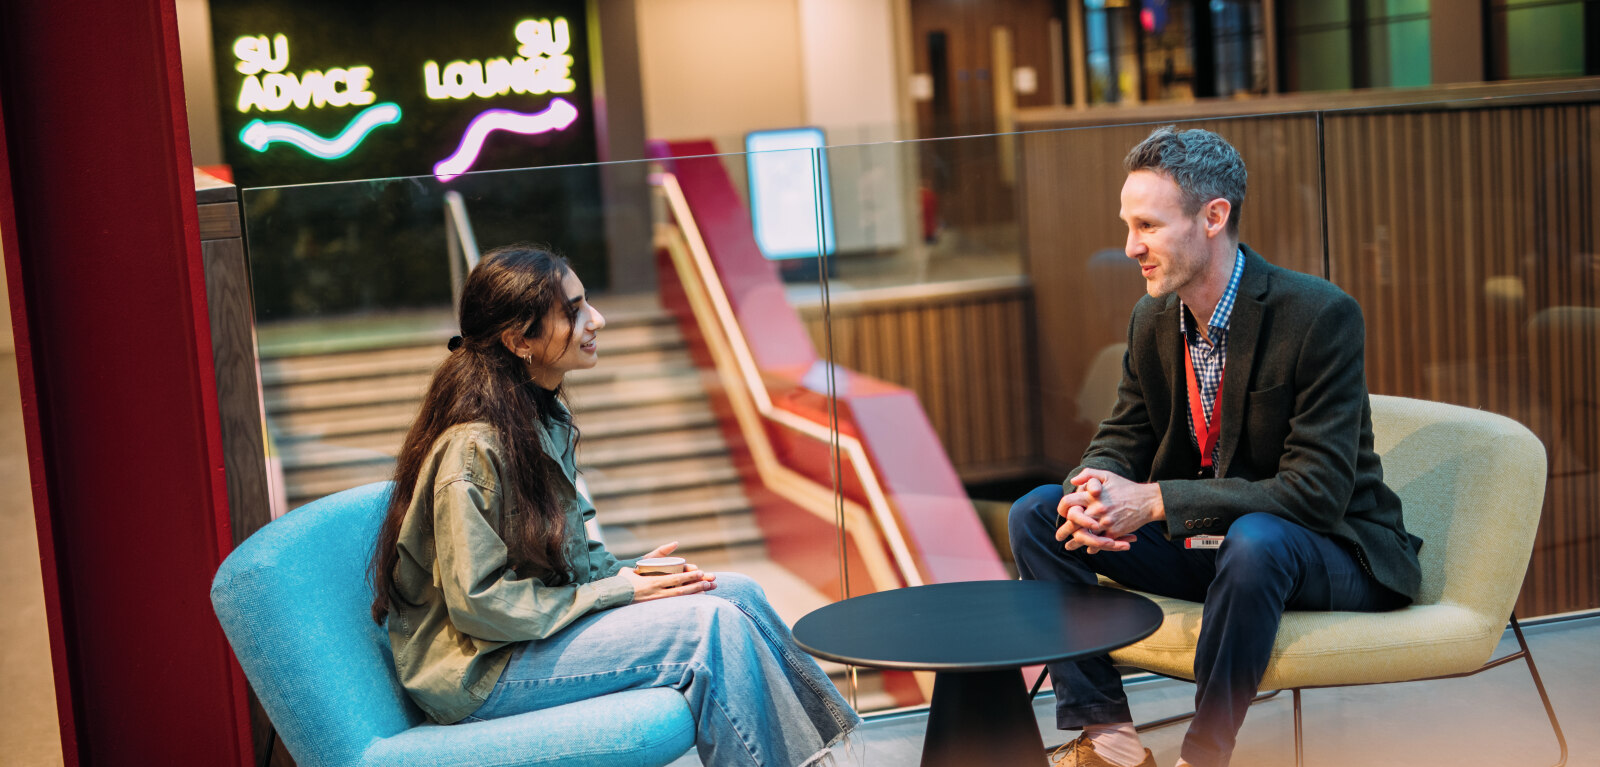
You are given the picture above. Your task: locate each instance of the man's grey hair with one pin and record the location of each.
(1203, 165)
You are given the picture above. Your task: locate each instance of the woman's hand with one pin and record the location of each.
(648, 587)
(664, 550)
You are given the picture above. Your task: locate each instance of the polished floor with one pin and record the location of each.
(1493, 719)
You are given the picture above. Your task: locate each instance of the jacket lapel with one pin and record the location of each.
(1244, 327)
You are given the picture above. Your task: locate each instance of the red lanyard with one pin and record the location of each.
(1206, 433)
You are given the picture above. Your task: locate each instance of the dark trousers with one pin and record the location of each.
(1266, 564)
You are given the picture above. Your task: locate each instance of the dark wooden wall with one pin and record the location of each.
(1465, 229)
(1468, 236)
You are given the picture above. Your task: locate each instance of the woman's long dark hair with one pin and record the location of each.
(513, 288)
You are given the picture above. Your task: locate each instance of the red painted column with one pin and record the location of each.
(102, 255)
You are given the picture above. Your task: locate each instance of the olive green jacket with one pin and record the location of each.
(460, 606)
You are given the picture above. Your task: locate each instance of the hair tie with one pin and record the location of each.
(455, 343)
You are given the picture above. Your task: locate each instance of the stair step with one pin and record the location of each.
(619, 348)
(416, 328)
(640, 508)
(310, 484)
(340, 445)
(654, 390)
(647, 419)
(643, 448)
(649, 382)
(605, 484)
(700, 534)
(377, 363)
(360, 450)
(392, 419)
(389, 417)
(625, 353)
(328, 395)
(642, 363)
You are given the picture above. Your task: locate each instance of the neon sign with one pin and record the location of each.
(277, 90)
(557, 116)
(542, 66)
(258, 133)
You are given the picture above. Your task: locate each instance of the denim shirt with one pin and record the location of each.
(461, 606)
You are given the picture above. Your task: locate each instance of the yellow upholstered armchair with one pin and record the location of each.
(1472, 484)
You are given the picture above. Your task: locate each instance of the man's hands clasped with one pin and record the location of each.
(647, 587)
(1105, 510)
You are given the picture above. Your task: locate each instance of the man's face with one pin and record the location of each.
(1169, 245)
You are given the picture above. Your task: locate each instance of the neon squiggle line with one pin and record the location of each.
(560, 114)
(258, 134)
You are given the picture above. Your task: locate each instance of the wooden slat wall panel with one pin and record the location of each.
(1468, 236)
(1072, 180)
(968, 359)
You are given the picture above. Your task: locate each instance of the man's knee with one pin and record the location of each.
(1033, 515)
(1257, 543)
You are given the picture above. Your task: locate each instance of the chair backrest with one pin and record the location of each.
(295, 604)
(1472, 485)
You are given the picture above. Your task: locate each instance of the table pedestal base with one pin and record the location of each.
(980, 718)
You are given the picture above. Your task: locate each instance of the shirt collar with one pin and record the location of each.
(1224, 311)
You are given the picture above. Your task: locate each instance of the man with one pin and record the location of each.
(1242, 413)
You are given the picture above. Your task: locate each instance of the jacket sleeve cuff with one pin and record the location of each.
(1185, 517)
(612, 592)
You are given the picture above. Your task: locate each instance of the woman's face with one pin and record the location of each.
(564, 347)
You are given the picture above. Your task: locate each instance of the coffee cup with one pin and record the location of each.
(661, 565)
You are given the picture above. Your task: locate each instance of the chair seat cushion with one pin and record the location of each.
(1320, 649)
(625, 729)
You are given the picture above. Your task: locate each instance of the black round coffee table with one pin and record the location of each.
(978, 635)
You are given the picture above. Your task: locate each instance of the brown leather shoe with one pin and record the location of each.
(1080, 752)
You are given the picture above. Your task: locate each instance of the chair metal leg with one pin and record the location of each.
(1299, 744)
(1549, 710)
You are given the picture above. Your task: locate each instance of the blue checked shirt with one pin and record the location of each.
(1209, 356)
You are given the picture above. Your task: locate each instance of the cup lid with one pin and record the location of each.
(662, 561)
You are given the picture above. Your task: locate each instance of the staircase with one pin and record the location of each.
(339, 400)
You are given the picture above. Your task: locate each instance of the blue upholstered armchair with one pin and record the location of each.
(294, 601)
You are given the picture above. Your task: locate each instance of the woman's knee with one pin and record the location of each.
(1034, 515)
(698, 612)
(738, 586)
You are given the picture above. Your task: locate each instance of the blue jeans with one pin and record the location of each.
(757, 698)
(1266, 564)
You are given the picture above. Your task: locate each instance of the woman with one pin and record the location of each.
(495, 600)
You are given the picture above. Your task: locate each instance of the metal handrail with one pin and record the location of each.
(750, 378)
(461, 242)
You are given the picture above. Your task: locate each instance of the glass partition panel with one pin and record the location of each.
(979, 362)
(860, 415)
(706, 420)
(1467, 233)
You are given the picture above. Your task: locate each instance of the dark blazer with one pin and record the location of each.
(1296, 421)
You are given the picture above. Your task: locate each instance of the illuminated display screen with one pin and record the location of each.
(314, 91)
(786, 180)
